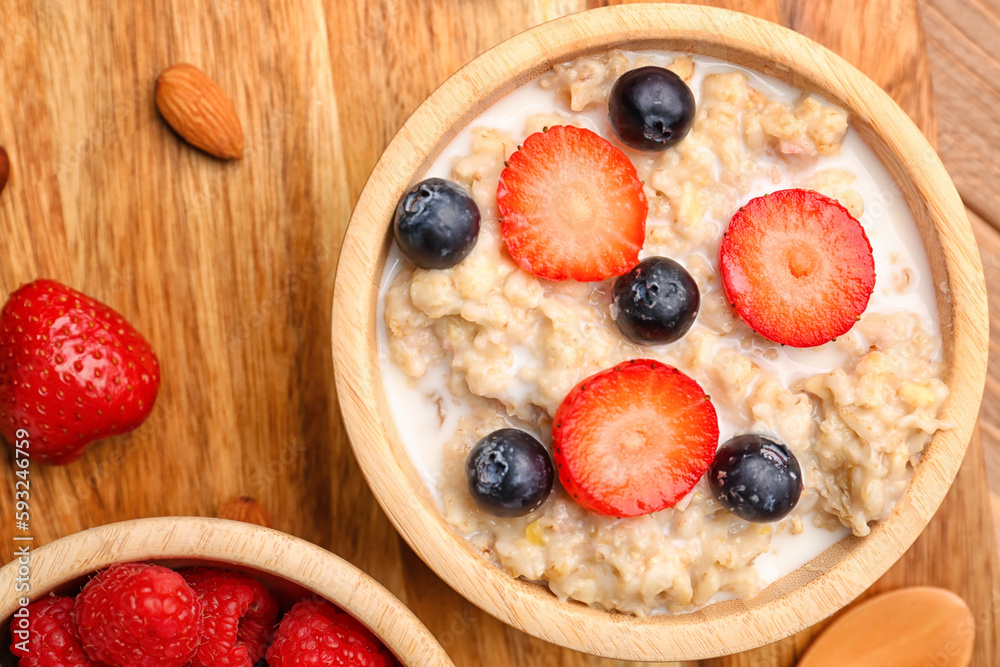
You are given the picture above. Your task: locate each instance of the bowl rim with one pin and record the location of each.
(221, 541)
(799, 599)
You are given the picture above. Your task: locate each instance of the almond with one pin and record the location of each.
(199, 111)
(4, 168)
(245, 509)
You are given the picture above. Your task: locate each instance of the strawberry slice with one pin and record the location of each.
(798, 267)
(572, 206)
(634, 439)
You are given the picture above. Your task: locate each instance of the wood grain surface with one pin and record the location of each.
(228, 267)
(962, 41)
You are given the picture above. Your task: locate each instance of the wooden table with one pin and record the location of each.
(228, 267)
(962, 39)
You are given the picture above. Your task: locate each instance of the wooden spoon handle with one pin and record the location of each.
(910, 626)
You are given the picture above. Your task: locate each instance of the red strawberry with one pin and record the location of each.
(797, 267)
(572, 206)
(634, 439)
(71, 371)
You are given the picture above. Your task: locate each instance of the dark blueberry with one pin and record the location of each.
(436, 224)
(651, 108)
(509, 473)
(756, 478)
(656, 302)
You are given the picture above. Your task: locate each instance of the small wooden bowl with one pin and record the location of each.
(292, 569)
(799, 599)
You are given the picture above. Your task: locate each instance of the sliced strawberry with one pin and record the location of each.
(572, 206)
(797, 267)
(634, 439)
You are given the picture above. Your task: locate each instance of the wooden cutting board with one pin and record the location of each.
(228, 268)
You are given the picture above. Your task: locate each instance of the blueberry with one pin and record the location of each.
(509, 473)
(656, 302)
(436, 224)
(651, 108)
(756, 478)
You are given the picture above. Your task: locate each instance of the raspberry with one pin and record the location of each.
(315, 634)
(138, 615)
(239, 618)
(350, 623)
(52, 636)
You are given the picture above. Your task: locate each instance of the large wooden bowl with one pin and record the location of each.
(799, 599)
(292, 569)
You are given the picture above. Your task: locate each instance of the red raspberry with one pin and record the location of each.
(139, 615)
(315, 634)
(239, 618)
(350, 623)
(52, 637)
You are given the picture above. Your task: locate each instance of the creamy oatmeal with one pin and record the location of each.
(484, 345)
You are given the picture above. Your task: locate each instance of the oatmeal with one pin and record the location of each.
(485, 344)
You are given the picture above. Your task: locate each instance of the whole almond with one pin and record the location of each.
(4, 168)
(245, 509)
(199, 111)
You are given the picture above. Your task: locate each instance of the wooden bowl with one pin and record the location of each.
(799, 599)
(292, 569)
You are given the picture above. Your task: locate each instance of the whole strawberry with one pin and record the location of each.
(240, 616)
(72, 371)
(51, 638)
(139, 615)
(314, 634)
